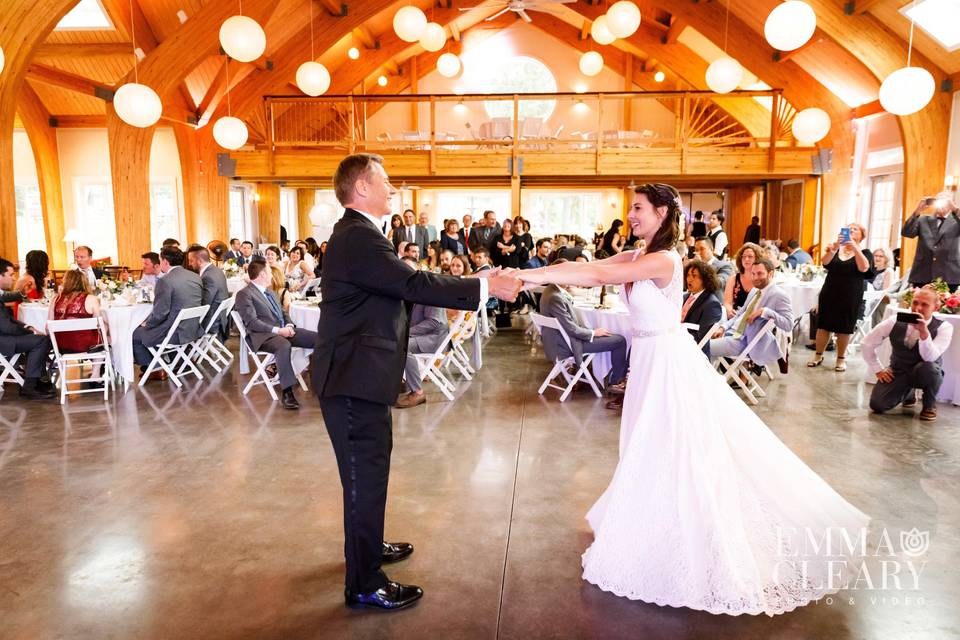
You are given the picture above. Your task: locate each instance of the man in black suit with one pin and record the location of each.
(938, 241)
(410, 232)
(701, 306)
(234, 253)
(486, 232)
(83, 255)
(214, 287)
(16, 337)
(752, 234)
(359, 359)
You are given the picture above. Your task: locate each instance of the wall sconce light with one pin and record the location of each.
(256, 197)
(581, 107)
(952, 183)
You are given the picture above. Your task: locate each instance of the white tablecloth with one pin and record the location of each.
(305, 316)
(235, 284)
(121, 322)
(803, 295)
(950, 390)
(615, 320)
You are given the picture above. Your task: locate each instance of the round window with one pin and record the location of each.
(519, 74)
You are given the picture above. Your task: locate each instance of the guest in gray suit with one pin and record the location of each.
(214, 284)
(410, 232)
(556, 302)
(766, 301)
(938, 244)
(431, 230)
(704, 250)
(269, 328)
(178, 289)
(428, 328)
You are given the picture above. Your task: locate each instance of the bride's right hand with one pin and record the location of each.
(532, 276)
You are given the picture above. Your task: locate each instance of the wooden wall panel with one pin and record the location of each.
(811, 214)
(205, 193)
(43, 140)
(791, 211)
(268, 212)
(739, 209)
(306, 198)
(771, 214)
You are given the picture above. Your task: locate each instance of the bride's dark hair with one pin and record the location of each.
(663, 195)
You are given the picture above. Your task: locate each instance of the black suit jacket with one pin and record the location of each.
(10, 327)
(362, 334)
(706, 311)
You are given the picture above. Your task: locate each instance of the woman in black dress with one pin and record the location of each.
(506, 250)
(849, 268)
(612, 240)
(739, 286)
(522, 229)
(450, 239)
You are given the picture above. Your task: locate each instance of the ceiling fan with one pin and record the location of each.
(520, 7)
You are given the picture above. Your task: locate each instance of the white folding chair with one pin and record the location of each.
(179, 351)
(431, 364)
(457, 355)
(76, 361)
(871, 300)
(310, 286)
(9, 370)
(560, 366)
(706, 337)
(737, 370)
(261, 360)
(209, 348)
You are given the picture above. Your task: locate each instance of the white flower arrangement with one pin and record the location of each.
(231, 269)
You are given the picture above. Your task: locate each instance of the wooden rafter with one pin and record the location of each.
(362, 33)
(673, 33)
(65, 80)
(58, 51)
(815, 39)
(335, 8)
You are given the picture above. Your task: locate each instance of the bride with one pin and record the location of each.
(707, 508)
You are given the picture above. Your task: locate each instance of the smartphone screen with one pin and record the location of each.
(908, 316)
(845, 234)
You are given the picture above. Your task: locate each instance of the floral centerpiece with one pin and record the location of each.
(231, 269)
(108, 288)
(949, 302)
(809, 272)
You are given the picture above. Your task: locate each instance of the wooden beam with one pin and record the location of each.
(454, 31)
(71, 81)
(815, 39)
(673, 33)
(58, 51)
(335, 8)
(306, 199)
(78, 122)
(860, 6)
(867, 109)
(268, 212)
(585, 29)
(366, 38)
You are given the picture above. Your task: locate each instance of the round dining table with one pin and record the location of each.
(121, 319)
(614, 318)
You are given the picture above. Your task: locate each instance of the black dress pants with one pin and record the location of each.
(362, 437)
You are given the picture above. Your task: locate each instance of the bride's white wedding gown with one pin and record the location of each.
(707, 508)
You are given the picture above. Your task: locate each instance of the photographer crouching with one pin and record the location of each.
(918, 341)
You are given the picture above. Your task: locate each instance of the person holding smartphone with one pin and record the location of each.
(935, 225)
(917, 341)
(841, 299)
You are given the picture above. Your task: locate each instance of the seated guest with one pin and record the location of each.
(428, 329)
(739, 286)
(273, 256)
(704, 250)
(401, 247)
(481, 259)
(916, 361)
(460, 266)
(170, 242)
(701, 306)
(446, 259)
(557, 303)
(795, 255)
(278, 284)
(543, 248)
(451, 238)
(234, 253)
(772, 253)
(308, 258)
(214, 284)
(246, 252)
(766, 301)
(432, 260)
(412, 250)
(884, 273)
(75, 300)
(16, 337)
(151, 269)
(35, 279)
(297, 272)
(178, 289)
(83, 255)
(269, 327)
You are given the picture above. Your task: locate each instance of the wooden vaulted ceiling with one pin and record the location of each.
(676, 36)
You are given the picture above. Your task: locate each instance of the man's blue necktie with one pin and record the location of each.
(277, 312)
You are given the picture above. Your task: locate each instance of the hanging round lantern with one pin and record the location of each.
(591, 63)
(137, 104)
(907, 90)
(623, 18)
(353, 53)
(448, 65)
(433, 37)
(790, 25)
(313, 78)
(600, 31)
(382, 81)
(724, 75)
(230, 133)
(242, 38)
(1, 59)
(811, 125)
(659, 76)
(409, 23)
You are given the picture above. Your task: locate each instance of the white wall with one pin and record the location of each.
(24, 165)
(953, 148)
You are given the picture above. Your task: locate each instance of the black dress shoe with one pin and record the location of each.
(288, 400)
(37, 393)
(390, 597)
(395, 551)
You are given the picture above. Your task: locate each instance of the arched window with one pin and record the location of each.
(519, 74)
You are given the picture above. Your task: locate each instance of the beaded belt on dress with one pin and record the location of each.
(650, 333)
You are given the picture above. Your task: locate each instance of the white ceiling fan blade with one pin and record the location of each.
(497, 14)
(523, 14)
(501, 3)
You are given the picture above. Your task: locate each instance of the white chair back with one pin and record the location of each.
(543, 322)
(223, 310)
(184, 315)
(75, 324)
(311, 285)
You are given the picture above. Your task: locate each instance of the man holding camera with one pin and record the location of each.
(938, 244)
(918, 341)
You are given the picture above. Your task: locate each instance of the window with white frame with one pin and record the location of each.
(239, 206)
(93, 218)
(456, 204)
(30, 234)
(164, 212)
(883, 227)
(575, 212)
(288, 214)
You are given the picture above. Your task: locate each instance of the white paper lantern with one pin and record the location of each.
(137, 104)
(229, 132)
(790, 25)
(811, 125)
(242, 38)
(313, 78)
(2, 61)
(724, 75)
(623, 18)
(433, 37)
(907, 90)
(409, 23)
(600, 31)
(591, 63)
(448, 65)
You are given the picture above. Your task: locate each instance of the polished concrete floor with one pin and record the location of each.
(205, 514)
